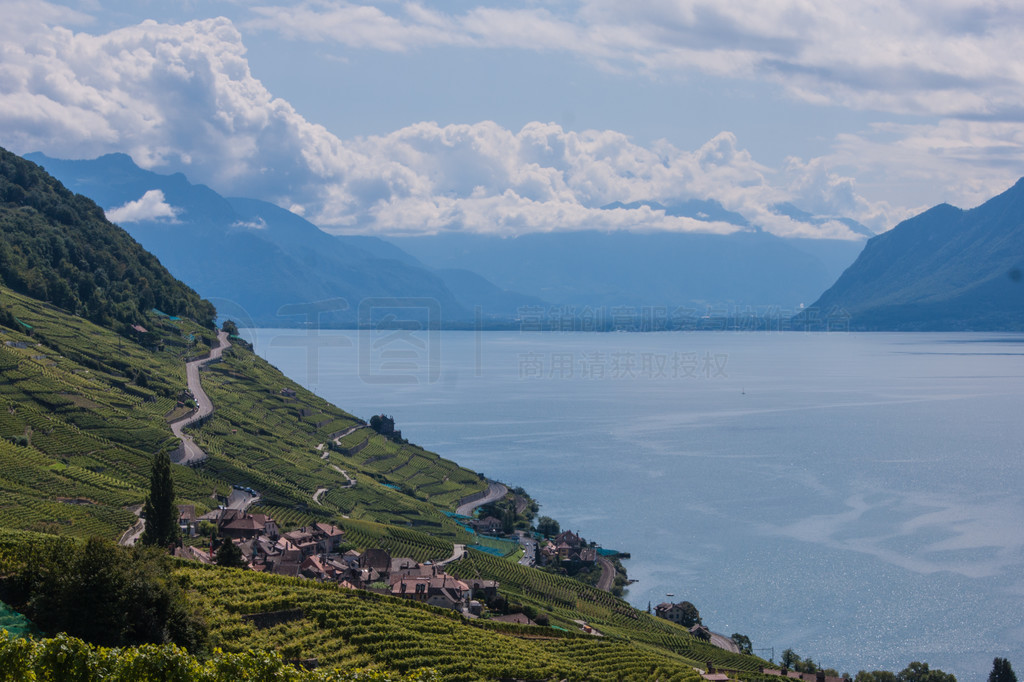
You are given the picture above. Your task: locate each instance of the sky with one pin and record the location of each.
(397, 118)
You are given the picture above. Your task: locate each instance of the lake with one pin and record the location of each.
(856, 497)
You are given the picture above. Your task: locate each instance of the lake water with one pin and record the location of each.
(856, 497)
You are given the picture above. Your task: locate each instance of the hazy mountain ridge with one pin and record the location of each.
(255, 257)
(608, 269)
(944, 269)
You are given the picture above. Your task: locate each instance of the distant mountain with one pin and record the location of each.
(795, 213)
(261, 264)
(58, 247)
(707, 210)
(945, 269)
(656, 269)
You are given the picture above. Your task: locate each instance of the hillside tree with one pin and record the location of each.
(547, 526)
(161, 513)
(875, 676)
(919, 672)
(1002, 671)
(691, 616)
(229, 555)
(743, 643)
(107, 595)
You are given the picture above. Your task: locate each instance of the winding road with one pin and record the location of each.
(723, 642)
(495, 491)
(189, 453)
(607, 580)
(529, 545)
(132, 535)
(351, 481)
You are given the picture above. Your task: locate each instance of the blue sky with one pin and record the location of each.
(512, 117)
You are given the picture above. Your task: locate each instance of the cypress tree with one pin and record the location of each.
(1002, 671)
(161, 514)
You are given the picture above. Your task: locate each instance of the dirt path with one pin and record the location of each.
(189, 453)
(351, 481)
(318, 493)
(458, 551)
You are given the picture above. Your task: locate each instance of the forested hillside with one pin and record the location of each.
(58, 247)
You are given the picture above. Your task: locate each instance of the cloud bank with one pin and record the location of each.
(182, 98)
(937, 57)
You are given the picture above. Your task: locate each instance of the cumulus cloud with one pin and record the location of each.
(945, 57)
(970, 160)
(182, 98)
(171, 96)
(151, 206)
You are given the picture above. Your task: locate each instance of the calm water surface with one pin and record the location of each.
(856, 497)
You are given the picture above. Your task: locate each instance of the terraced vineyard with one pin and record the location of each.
(422, 473)
(399, 542)
(82, 411)
(76, 440)
(568, 601)
(355, 628)
(268, 439)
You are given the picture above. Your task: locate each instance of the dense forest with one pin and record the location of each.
(59, 247)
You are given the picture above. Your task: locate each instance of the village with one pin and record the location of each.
(314, 552)
(319, 552)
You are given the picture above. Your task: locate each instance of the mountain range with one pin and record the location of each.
(706, 273)
(260, 262)
(945, 269)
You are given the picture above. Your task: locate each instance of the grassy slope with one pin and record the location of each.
(90, 431)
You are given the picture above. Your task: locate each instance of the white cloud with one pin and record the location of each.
(946, 57)
(151, 206)
(485, 178)
(970, 160)
(182, 98)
